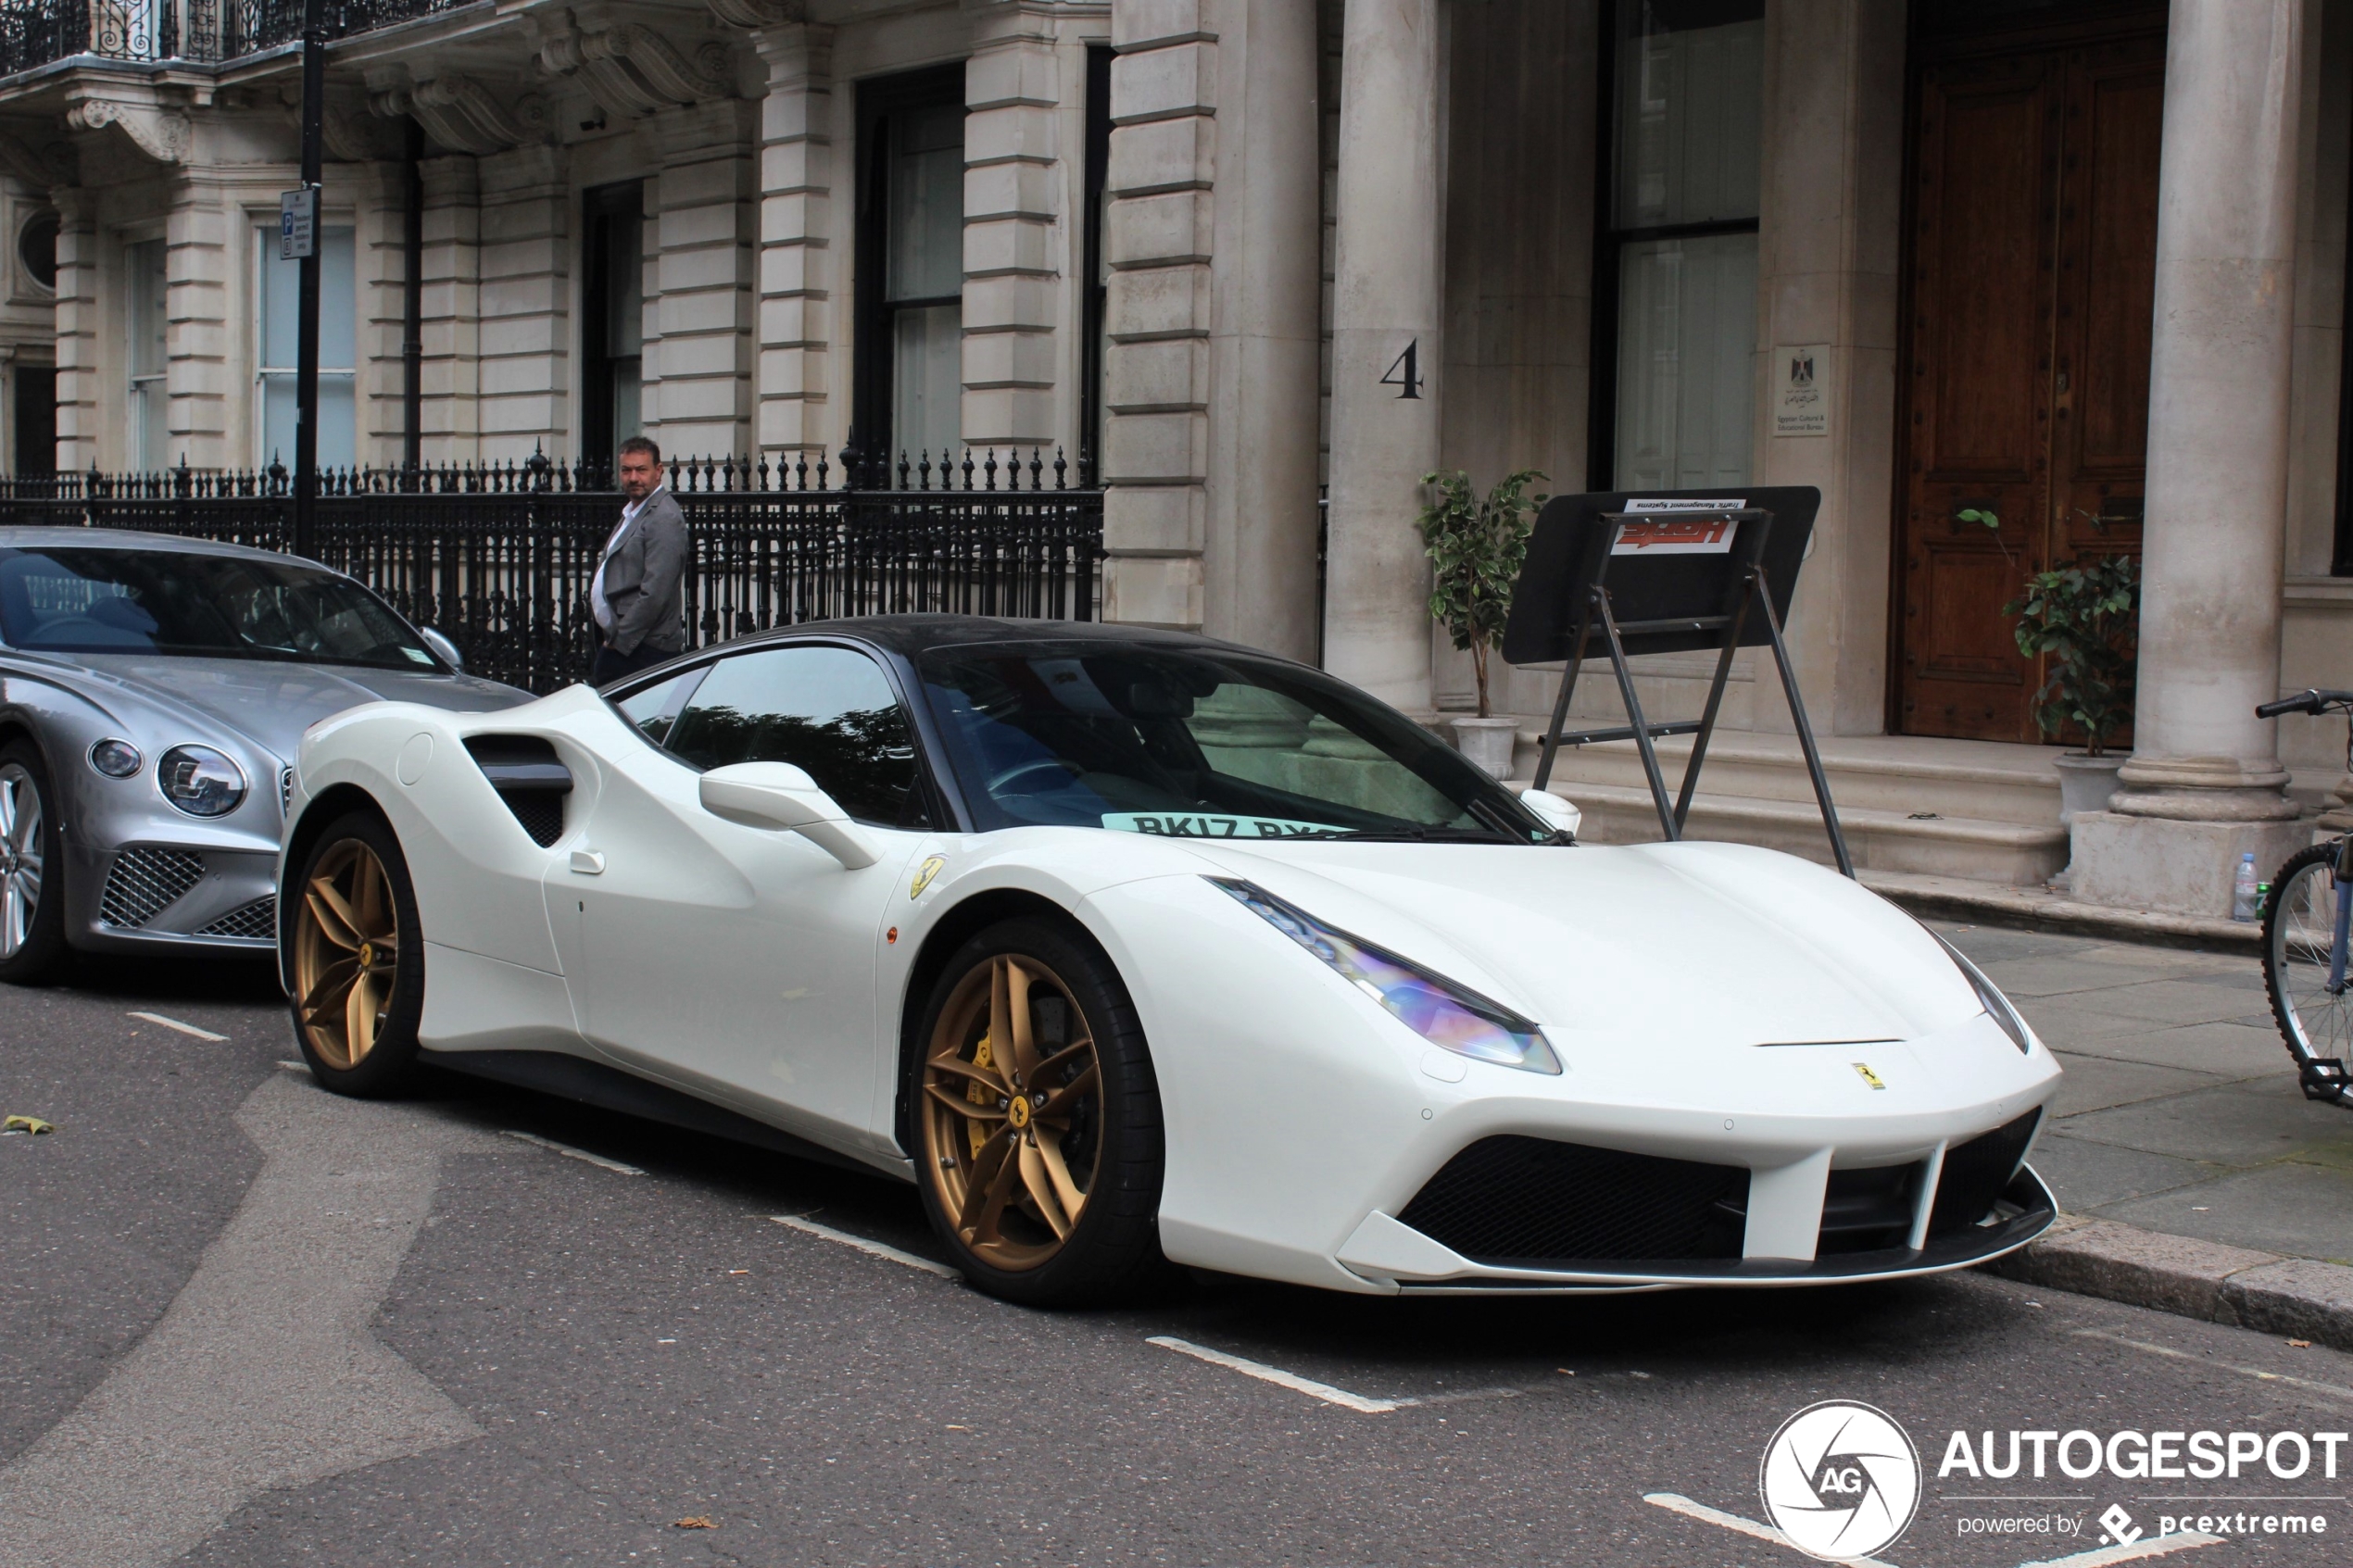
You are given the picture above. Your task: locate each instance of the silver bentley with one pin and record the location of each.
(153, 692)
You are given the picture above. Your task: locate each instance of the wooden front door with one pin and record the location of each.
(2030, 287)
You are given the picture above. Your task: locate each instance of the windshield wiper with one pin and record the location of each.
(1412, 836)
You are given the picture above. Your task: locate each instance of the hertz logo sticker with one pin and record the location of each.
(1870, 1077)
(933, 865)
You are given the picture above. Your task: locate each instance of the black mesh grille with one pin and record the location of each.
(142, 881)
(1529, 1200)
(1867, 1211)
(1976, 1172)
(540, 812)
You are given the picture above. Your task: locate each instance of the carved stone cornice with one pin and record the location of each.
(161, 133)
(757, 13)
(630, 70)
(465, 115)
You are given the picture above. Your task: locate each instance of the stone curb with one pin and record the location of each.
(2298, 1297)
(2034, 908)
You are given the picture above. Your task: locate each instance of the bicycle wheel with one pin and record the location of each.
(2298, 925)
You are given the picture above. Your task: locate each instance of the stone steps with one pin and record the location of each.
(1977, 811)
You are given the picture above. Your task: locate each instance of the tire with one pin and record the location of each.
(358, 960)
(32, 866)
(2298, 926)
(998, 1168)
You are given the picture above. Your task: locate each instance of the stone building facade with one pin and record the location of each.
(1257, 266)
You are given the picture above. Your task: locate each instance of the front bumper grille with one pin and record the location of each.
(1976, 1172)
(257, 922)
(1526, 1202)
(144, 883)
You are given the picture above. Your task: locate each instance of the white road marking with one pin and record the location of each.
(2099, 1557)
(1675, 1503)
(871, 1249)
(2328, 1390)
(175, 1023)
(1277, 1377)
(2148, 1546)
(598, 1160)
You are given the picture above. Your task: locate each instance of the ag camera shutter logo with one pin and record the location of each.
(1841, 1480)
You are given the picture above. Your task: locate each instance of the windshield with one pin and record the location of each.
(74, 599)
(1200, 743)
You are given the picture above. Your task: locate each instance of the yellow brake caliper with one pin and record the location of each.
(976, 1133)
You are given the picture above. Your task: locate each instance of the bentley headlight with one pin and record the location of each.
(115, 758)
(1431, 1006)
(1989, 996)
(200, 781)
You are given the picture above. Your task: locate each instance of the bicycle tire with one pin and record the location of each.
(2298, 928)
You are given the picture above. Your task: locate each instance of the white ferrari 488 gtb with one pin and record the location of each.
(1129, 946)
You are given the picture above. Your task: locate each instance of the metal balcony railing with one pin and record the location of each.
(34, 33)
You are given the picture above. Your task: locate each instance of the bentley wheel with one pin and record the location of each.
(33, 917)
(357, 967)
(1036, 1121)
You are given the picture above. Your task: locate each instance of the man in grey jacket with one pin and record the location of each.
(639, 592)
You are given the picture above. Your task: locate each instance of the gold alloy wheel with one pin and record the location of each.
(347, 953)
(1013, 1112)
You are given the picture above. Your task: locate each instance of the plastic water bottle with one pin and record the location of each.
(2243, 889)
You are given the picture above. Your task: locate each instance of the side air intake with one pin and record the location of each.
(528, 777)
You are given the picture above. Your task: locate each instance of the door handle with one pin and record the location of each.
(588, 862)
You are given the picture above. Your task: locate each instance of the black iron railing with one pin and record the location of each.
(34, 33)
(500, 557)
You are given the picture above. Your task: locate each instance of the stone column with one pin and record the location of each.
(2205, 783)
(451, 310)
(526, 302)
(1386, 301)
(1012, 209)
(1827, 262)
(77, 318)
(381, 257)
(795, 232)
(199, 276)
(1265, 343)
(699, 367)
(1159, 237)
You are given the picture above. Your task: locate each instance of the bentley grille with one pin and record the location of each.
(257, 922)
(144, 883)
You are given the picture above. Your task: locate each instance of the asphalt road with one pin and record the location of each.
(244, 1323)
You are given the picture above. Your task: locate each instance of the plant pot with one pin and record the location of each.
(2085, 783)
(1488, 744)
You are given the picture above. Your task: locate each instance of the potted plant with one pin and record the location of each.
(2085, 617)
(1475, 547)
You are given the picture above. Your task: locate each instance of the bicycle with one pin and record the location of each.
(2306, 923)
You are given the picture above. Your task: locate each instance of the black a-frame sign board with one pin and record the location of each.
(1628, 572)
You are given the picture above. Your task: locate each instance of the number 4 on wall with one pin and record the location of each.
(1404, 371)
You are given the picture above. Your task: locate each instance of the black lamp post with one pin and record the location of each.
(314, 95)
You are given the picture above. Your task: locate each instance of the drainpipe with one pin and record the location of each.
(412, 290)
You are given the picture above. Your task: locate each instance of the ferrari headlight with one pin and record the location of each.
(200, 781)
(1989, 996)
(1431, 1006)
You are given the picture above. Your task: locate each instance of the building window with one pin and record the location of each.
(1675, 272)
(613, 332)
(910, 264)
(278, 289)
(145, 324)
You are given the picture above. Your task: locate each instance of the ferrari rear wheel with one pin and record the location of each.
(1037, 1121)
(33, 917)
(358, 960)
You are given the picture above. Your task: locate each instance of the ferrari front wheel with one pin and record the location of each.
(1038, 1122)
(358, 960)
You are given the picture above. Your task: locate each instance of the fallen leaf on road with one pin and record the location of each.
(26, 1125)
(2299, 1344)
(695, 1523)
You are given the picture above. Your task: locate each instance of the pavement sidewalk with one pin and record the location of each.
(2194, 1176)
